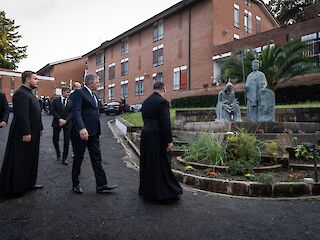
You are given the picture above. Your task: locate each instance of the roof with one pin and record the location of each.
(169, 11)
(46, 67)
(12, 73)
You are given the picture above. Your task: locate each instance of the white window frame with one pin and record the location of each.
(236, 15)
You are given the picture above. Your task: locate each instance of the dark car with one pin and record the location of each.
(113, 107)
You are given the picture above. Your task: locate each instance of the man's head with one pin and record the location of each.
(229, 87)
(76, 85)
(30, 79)
(65, 92)
(255, 65)
(92, 81)
(159, 87)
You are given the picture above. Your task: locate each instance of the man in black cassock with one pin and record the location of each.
(20, 165)
(157, 181)
(4, 110)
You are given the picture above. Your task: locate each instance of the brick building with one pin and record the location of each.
(174, 46)
(65, 72)
(11, 80)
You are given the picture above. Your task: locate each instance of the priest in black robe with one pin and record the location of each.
(157, 181)
(20, 165)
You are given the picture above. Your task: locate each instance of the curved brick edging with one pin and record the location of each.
(243, 188)
(249, 189)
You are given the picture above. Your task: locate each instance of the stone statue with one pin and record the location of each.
(266, 111)
(227, 108)
(256, 81)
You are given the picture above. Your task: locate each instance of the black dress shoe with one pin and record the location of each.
(77, 189)
(64, 162)
(36, 187)
(105, 188)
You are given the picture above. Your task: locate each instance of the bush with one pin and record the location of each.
(288, 95)
(266, 178)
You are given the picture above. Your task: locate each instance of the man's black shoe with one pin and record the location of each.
(77, 189)
(36, 187)
(64, 162)
(105, 188)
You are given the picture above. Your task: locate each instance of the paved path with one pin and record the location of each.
(57, 213)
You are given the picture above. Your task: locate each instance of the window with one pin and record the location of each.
(100, 73)
(125, 67)
(158, 55)
(180, 78)
(258, 24)
(157, 77)
(313, 42)
(158, 31)
(100, 58)
(139, 88)
(236, 36)
(12, 86)
(248, 2)
(112, 91)
(124, 88)
(236, 16)
(124, 47)
(112, 71)
(247, 21)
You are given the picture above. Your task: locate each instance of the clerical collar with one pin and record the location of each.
(90, 91)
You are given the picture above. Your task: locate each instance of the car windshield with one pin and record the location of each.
(113, 104)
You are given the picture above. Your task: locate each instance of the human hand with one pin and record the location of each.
(26, 138)
(170, 146)
(3, 124)
(62, 122)
(84, 135)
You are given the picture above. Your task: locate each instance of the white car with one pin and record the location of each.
(136, 107)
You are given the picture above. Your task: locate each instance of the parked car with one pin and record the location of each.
(113, 107)
(136, 107)
(10, 106)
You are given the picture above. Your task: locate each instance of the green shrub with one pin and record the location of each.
(208, 147)
(267, 178)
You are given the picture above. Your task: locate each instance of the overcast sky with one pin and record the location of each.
(59, 29)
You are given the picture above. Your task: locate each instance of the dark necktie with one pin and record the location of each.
(94, 99)
(64, 102)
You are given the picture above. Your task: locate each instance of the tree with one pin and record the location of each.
(10, 53)
(278, 63)
(289, 11)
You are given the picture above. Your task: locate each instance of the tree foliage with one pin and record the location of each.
(10, 53)
(289, 11)
(278, 63)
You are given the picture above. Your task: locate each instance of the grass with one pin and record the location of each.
(136, 118)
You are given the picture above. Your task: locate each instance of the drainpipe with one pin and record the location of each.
(189, 51)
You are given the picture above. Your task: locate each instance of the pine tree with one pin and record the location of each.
(10, 53)
(289, 11)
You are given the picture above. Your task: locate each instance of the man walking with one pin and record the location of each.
(86, 133)
(20, 165)
(4, 110)
(60, 109)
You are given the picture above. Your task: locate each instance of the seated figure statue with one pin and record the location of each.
(227, 108)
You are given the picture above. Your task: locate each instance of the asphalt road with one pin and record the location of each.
(57, 213)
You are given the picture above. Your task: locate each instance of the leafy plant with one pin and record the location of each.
(208, 147)
(267, 178)
(272, 149)
(302, 151)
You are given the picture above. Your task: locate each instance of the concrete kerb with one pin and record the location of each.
(230, 188)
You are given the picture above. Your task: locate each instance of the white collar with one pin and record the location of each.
(88, 89)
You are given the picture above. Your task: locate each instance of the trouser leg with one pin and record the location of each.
(96, 161)
(55, 140)
(79, 149)
(66, 140)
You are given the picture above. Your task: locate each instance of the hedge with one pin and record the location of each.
(288, 95)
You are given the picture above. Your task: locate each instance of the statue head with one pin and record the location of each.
(255, 65)
(229, 87)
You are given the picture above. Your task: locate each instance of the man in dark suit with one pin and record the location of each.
(20, 165)
(4, 110)
(86, 133)
(60, 109)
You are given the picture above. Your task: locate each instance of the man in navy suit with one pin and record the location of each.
(60, 109)
(4, 110)
(86, 133)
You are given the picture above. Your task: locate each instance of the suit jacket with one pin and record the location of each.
(60, 112)
(85, 113)
(4, 108)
